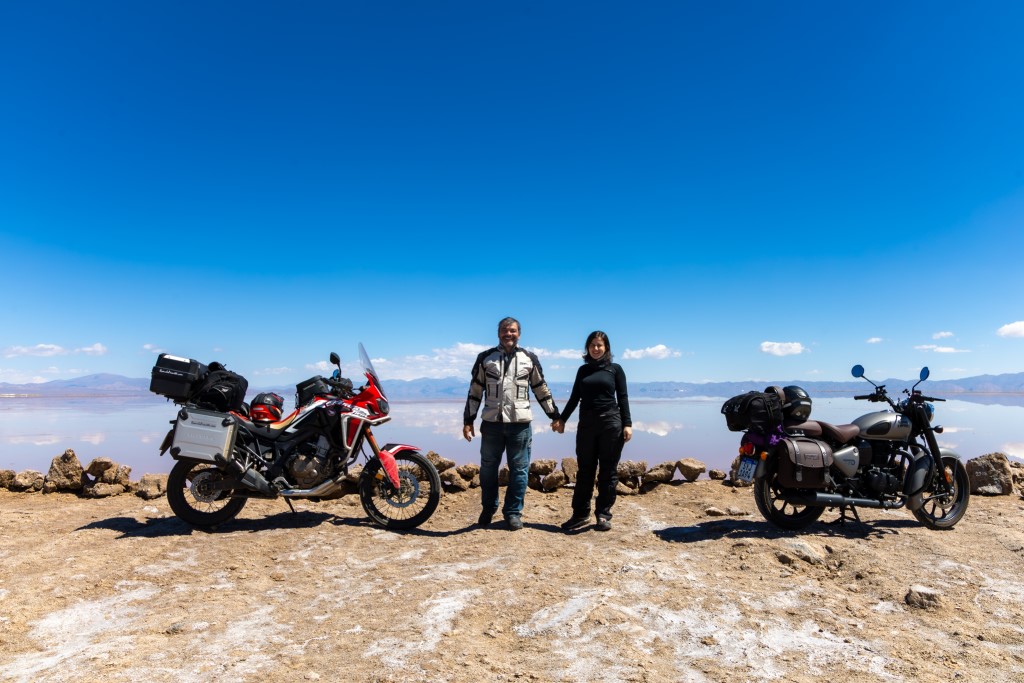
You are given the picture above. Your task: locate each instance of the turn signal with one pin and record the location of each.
(764, 455)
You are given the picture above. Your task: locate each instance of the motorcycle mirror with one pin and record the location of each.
(924, 373)
(335, 358)
(857, 371)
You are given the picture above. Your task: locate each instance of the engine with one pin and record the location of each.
(882, 481)
(310, 465)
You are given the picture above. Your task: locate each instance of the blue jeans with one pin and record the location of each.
(515, 439)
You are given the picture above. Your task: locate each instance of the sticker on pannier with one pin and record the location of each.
(804, 463)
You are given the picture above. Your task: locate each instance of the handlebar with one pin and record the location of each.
(865, 397)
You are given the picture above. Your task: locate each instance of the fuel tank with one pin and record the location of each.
(884, 425)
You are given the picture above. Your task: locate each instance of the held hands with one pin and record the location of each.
(468, 433)
(558, 426)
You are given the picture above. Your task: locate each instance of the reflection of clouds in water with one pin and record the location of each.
(948, 444)
(1014, 448)
(37, 440)
(95, 439)
(659, 428)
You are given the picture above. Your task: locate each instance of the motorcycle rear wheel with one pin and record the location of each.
(192, 500)
(409, 506)
(943, 512)
(767, 495)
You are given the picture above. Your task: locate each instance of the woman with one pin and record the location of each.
(604, 427)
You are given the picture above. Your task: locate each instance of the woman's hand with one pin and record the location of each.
(627, 433)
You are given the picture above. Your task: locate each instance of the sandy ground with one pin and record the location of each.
(120, 590)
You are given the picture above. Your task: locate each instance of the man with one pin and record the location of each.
(502, 378)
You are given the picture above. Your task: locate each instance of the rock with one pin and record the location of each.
(624, 489)
(734, 470)
(534, 482)
(98, 466)
(631, 472)
(717, 475)
(475, 482)
(714, 512)
(6, 477)
(691, 468)
(451, 480)
(439, 463)
(736, 512)
(151, 486)
(571, 467)
(65, 473)
(468, 472)
(354, 472)
(27, 480)
(553, 481)
(923, 597)
(804, 551)
(661, 473)
(990, 475)
(542, 467)
(103, 490)
(118, 474)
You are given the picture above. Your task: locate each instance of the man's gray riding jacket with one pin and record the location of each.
(502, 381)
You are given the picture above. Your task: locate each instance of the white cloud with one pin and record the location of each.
(783, 348)
(42, 350)
(875, 340)
(96, 349)
(1012, 330)
(942, 335)
(152, 348)
(278, 371)
(657, 352)
(453, 361)
(574, 354)
(940, 349)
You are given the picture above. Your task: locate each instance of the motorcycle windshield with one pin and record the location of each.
(364, 358)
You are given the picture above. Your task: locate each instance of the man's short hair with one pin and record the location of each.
(505, 322)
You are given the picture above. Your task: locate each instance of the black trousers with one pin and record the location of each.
(598, 449)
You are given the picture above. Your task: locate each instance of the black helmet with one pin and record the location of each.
(797, 406)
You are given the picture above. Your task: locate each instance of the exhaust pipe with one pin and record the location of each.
(834, 500)
(325, 489)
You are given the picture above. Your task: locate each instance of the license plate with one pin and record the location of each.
(746, 471)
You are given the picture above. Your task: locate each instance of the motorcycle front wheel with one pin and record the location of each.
(193, 498)
(767, 495)
(943, 510)
(408, 506)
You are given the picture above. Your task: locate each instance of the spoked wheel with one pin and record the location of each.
(945, 505)
(193, 497)
(408, 506)
(767, 495)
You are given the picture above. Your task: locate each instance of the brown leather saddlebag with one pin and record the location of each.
(804, 463)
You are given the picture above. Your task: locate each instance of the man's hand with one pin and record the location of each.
(468, 433)
(558, 426)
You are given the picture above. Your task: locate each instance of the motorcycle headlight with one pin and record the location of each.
(930, 409)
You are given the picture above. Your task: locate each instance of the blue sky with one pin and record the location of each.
(731, 190)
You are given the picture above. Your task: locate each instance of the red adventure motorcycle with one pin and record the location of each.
(224, 457)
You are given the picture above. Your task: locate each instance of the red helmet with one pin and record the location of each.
(266, 408)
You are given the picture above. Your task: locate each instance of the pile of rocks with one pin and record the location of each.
(101, 478)
(549, 475)
(992, 474)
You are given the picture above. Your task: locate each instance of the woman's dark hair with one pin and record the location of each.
(598, 334)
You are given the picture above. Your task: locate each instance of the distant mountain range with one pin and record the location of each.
(968, 388)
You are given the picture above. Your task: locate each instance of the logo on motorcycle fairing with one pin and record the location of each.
(335, 407)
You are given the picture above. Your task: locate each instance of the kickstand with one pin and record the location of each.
(289, 501)
(842, 514)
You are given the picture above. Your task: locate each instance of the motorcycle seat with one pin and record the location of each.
(841, 434)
